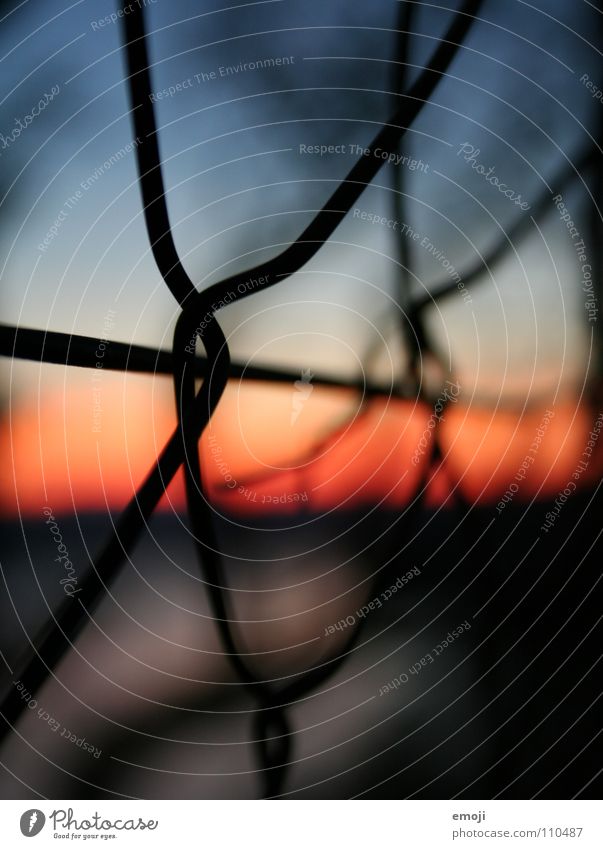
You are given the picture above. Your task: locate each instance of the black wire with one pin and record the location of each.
(411, 325)
(68, 349)
(363, 172)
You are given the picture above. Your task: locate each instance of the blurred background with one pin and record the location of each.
(461, 294)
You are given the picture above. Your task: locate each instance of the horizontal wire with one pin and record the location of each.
(82, 351)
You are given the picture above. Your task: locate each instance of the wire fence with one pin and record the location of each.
(272, 730)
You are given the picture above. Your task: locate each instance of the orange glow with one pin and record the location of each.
(61, 450)
(258, 457)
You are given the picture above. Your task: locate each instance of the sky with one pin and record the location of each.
(241, 185)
